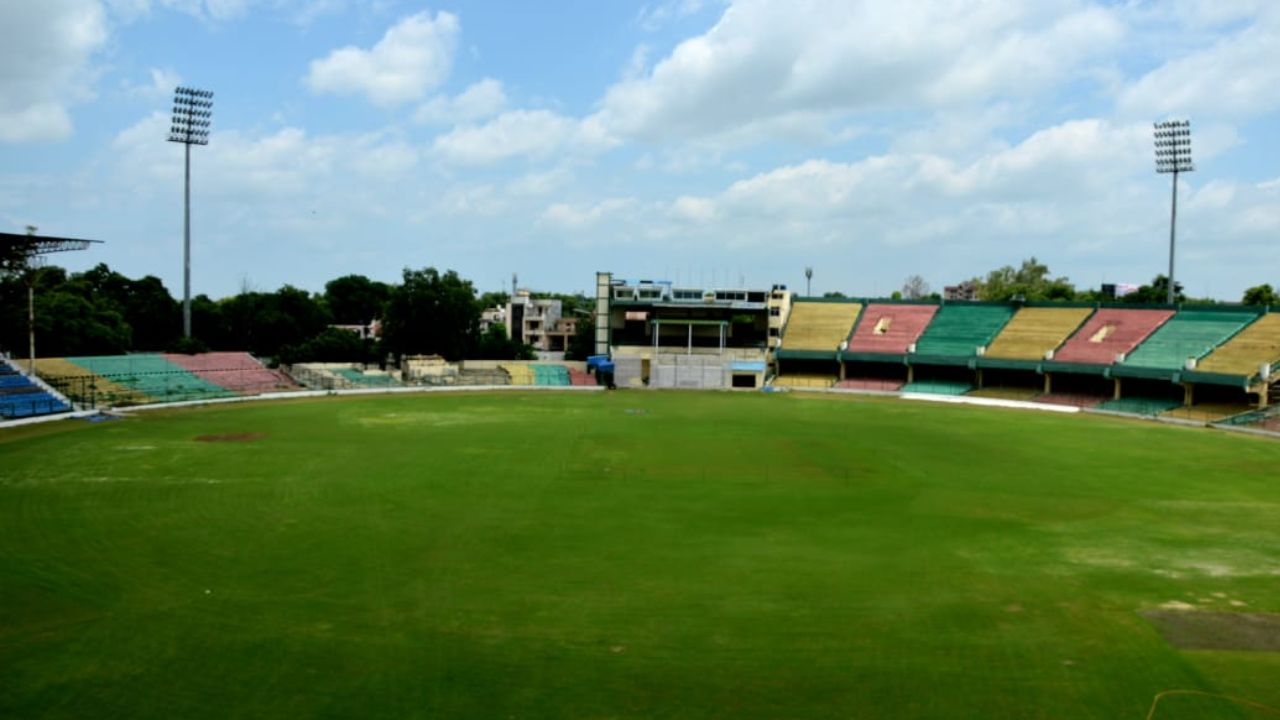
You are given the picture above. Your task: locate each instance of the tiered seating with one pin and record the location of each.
(486, 376)
(882, 384)
(81, 385)
(959, 330)
(1109, 332)
(1241, 355)
(146, 378)
(1208, 412)
(1189, 334)
(365, 379)
(1005, 393)
(238, 372)
(550, 375)
(1082, 400)
(804, 381)
(20, 397)
(819, 326)
(518, 374)
(937, 387)
(1034, 331)
(890, 329)
(578, 377)
(1140, 406)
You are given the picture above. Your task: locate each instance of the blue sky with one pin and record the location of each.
(708, 142)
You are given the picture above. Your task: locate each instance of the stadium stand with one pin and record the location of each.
(1208, 412)
(1034, 331)
(482, 376)
(1005, 393)
(1242, 355)
(1109, 332)
(1081, 400)
(1189, 334)
(21, 397)
(818, 326)
(1141, 405)
(544, 375)
(959, 330)
(551, 375)
(517, 374)
(804, 381)
(142, 378)
(878, 384)
(366, 378)
(890, 329)
(238, 372)
(578, 377)
(937, 387)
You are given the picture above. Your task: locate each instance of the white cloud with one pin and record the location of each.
(45, 49)
(578, 217)
(42, 122)
(532, 134)
(206, 10)
(160, 84)
(478, 101)
(414, 56)
(695, 209)
(764, 61)
(652, 17)
(1234, 77)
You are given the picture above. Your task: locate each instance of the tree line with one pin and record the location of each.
(102, 312)
(1033, 281)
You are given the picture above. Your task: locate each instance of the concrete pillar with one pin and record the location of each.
(842, 371)
(911, 374)
(979, 372)
(1048, 383)
(1116, 396)
(1188, 394)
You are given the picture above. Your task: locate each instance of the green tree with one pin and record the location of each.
(1030, 281)
(493, 344)
(583, 342)
(330, 345)
(493, 299)
(1261, 295)
(71, 319)
(1156, 293)
(430, 313)
(263, 323)
(355, 299)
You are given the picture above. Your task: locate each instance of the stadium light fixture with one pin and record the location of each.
(808, 280)
(1173, 155)
(192, 115)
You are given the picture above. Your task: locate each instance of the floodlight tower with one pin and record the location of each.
(808, 280)
(192, 113)
(1173, 155)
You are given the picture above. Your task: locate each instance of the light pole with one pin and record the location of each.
(808, 280)
(192, 113)
(1173, 155)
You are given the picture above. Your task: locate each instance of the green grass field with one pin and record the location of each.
(631, 555)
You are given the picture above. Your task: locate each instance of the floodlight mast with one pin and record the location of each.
(1173, 155)
(192, 113)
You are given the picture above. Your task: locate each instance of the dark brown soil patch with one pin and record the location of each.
(231, 437)
(1194, 630)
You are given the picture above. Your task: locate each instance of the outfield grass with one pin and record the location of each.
(628, 555)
